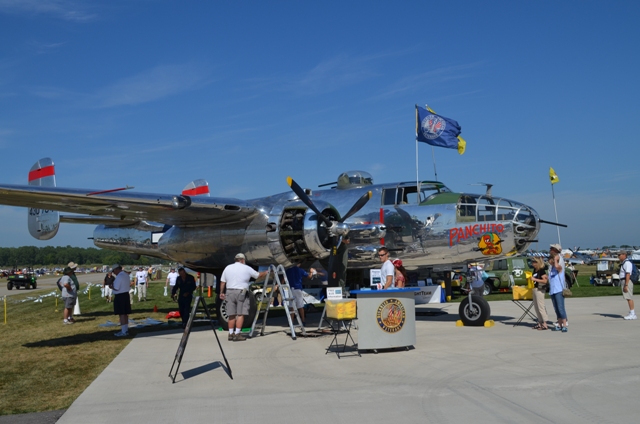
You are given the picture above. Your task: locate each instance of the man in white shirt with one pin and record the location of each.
(121, 303)
(234, 285)
(388, 271)
(627, 285)
(171, 280)
(141, 281)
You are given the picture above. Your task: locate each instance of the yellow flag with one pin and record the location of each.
(462, 145)
(553, 176)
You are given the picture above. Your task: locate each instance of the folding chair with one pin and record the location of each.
(521, 295)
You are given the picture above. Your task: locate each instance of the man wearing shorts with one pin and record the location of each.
(295, 275)
(234, 285)
(627, 285)
(69, 295)
(121, 302)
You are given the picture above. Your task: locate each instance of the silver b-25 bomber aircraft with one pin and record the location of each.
(426, 225)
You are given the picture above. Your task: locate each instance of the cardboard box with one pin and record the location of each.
(522, 293)
(341, 308)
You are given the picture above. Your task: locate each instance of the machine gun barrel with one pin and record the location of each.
(542, 221)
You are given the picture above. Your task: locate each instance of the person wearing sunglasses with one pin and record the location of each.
(388, 271)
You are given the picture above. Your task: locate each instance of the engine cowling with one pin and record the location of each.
(297, 235)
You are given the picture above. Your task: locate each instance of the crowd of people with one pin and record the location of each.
(119, 286)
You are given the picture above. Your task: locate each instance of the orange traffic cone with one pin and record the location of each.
(155, 308)
(209, 292)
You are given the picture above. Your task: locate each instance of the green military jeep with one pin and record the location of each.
(507, 272)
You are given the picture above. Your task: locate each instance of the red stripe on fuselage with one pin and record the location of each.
(196, 191)
(36, 174)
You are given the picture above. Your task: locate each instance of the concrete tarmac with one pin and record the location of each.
(503, 374)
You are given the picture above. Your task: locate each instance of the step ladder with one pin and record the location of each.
(277, 278)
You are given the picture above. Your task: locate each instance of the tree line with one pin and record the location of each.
(50, 256)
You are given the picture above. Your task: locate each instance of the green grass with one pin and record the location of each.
(47, 365)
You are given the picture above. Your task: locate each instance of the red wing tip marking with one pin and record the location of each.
(196, 191)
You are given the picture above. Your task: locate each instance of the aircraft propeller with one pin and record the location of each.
(337, 230)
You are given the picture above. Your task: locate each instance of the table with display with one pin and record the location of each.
(386, 318)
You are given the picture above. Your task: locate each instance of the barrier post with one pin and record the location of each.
(5, 308)
(56, 302)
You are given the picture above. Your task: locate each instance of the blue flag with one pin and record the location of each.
(437, 130)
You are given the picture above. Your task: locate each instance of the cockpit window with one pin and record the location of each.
(408, 194)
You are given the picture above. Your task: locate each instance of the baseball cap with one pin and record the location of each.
(557, 247)
(240, 256)
(115, 266)
(622, 252)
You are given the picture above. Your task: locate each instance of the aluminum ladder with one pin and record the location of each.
(277, 278)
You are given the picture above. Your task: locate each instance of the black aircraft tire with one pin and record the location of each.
(476, 316)
(34, 285)
(223, 317)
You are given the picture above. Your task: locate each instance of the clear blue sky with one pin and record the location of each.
(154, 94)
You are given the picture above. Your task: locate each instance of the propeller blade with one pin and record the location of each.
(299, 191)
(357, 206)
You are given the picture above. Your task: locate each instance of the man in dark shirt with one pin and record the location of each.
(107, 285)
(186, 284)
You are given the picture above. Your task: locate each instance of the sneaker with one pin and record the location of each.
(631, 316)
(65, 322)
(230, 337)
(557, 328)
(121, 334)
(565, 329)
(239, 337)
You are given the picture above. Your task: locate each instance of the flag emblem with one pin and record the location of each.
(433, 126)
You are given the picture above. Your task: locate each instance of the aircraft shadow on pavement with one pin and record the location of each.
(202, 369)
(74, 339)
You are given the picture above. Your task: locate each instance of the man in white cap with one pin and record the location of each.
(235, 279)
(626, 268)
(121, 303)
(73, 276)
(141, 281)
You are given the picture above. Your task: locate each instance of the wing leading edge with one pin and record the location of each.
(181, 210)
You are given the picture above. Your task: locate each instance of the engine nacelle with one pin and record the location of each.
(295, 234)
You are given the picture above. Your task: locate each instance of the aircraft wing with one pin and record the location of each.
(129, 206)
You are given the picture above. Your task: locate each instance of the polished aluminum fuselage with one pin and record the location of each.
(426, 234)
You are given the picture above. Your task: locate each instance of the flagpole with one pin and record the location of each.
(433, 154)
(553, 192)
(417, 174)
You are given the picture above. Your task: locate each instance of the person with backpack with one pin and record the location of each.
(627, 277)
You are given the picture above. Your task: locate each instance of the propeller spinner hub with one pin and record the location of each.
(340, 229)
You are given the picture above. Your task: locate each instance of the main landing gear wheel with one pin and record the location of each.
(223, 316)
(476, 313)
